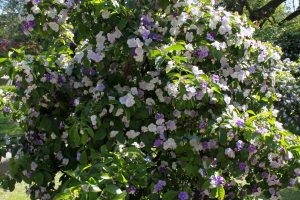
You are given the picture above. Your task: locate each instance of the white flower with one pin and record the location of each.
(150, 102)
(94, 120)
(65, 161)
(134, 42)
(35, 9)
(113, 134)
(227, 99)
(189, 36)
(119, 112)
(54, 26)
(105, 14)
(95, 56)
(196, 71)
(230, 153)
(134, 91)
(127, 100)
(169, 144)
(132, 134)
(152, 128)
(33, 166)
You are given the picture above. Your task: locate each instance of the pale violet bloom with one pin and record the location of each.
(127, 100)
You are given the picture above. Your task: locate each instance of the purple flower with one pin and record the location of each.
(131, 189)
(216, 180)
(204, 85)
(204, 145)
(145, 34)
(239, 122)
(242, 166)
(93, 71)
(201, 53)
(27, 26)
(78, 156)
(211, 36)
(158, 142)
(159, 116)
(155, 36)
(100, 87)
(265, 174)
(60, 79)
(252, 148)
(146, 21)
(203, 125)
(240, 144)
(272, 191)
(49, 77)
(251, 69)
(34, 2)
(18, 84)
(61, 125)
(183, 196)
(215, 78)
(199, 95)
(214, 163)
(171, 125)
(159, 186)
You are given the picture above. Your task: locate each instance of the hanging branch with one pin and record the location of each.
(266, 11)
(292, 15)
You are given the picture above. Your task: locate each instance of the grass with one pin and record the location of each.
(8, 127)
(18, 194)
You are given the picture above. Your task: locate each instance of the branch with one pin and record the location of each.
(291, 16)
(265, 11)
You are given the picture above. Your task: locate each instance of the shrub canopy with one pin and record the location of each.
(147, 100)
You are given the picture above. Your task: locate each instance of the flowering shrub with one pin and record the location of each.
(147, 100)
(288, 83)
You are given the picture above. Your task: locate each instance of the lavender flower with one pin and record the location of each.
(201, 53)
(240, 144)
(252, 148)
(159, 186)
(216, 180)
(242, 166)
(211, 36)
(158, 142)
(131, 189)
(239, 122)
(183, 196)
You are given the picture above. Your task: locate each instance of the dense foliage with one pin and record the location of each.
(147, 100)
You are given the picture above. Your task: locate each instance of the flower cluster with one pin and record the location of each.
(148, 99)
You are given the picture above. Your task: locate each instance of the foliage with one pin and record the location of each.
(147, 100)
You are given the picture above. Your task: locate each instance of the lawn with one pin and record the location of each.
(8, 127)
(18, 194)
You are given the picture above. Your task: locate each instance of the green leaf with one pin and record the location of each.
(100, 134)
(220, 193)
(83, 158)
(170, 195)
(113, 189)
(74, 135)
(120, 196)
(38, 178)
(90, 131)
(175, 47)
(62, 196)
(3, 59)
(289, 194)
(122, 24)
(159, 61)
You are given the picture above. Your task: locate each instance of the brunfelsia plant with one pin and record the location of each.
(147, 100)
